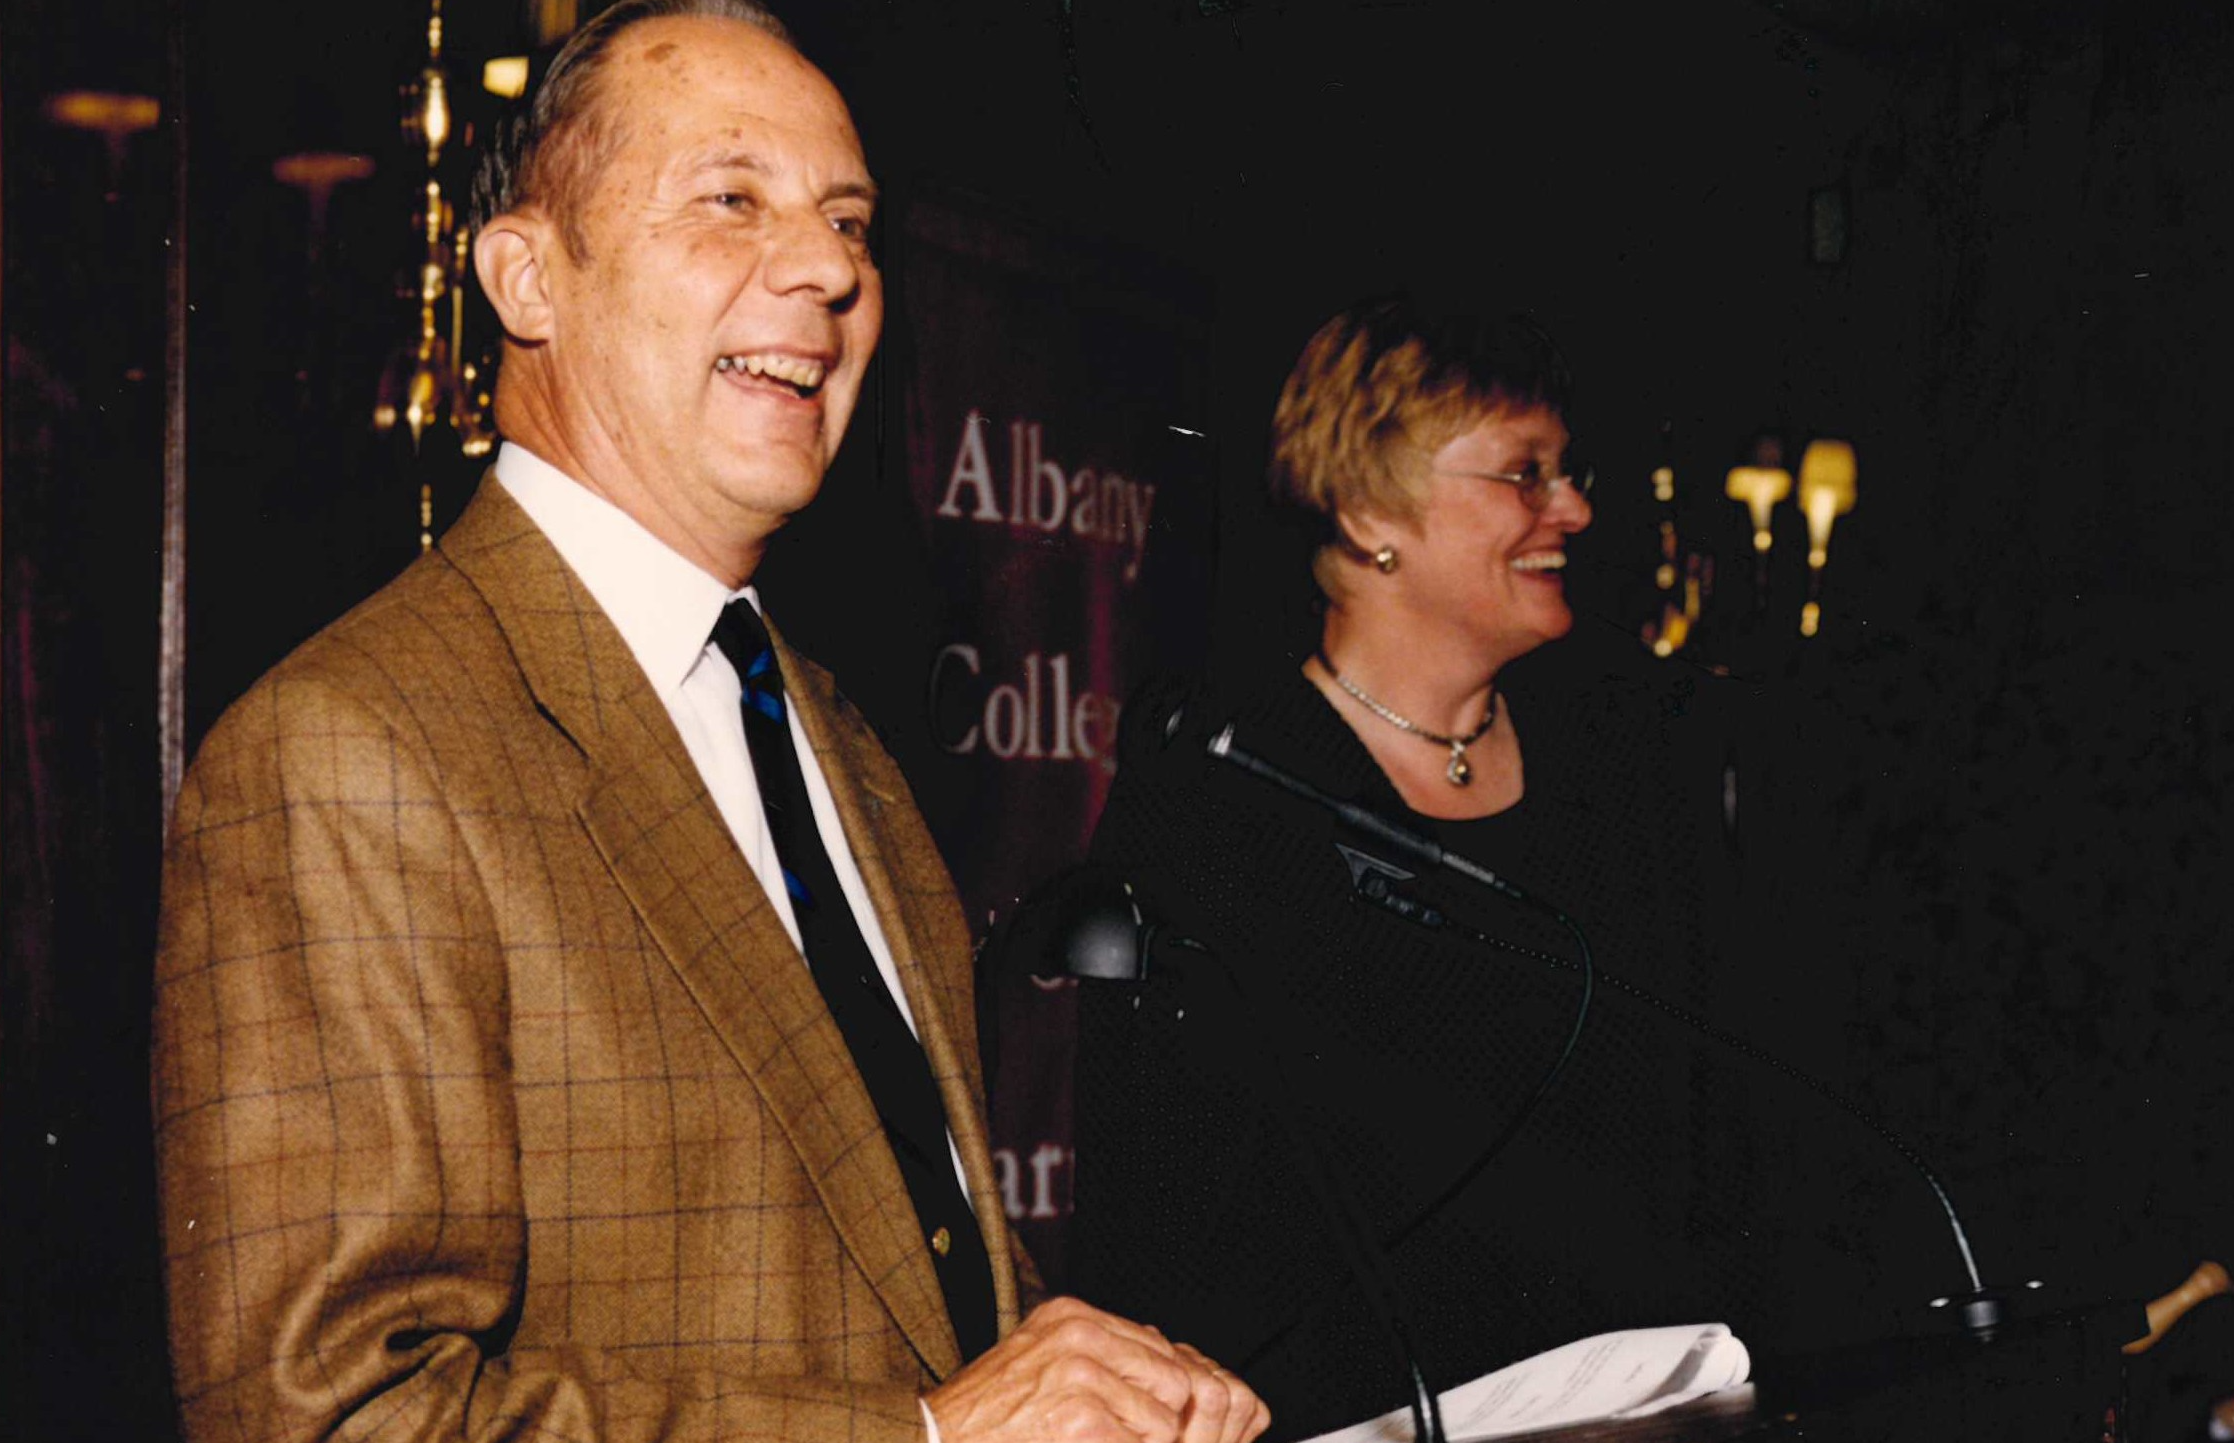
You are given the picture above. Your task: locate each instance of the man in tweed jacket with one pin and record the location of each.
(494, 1097)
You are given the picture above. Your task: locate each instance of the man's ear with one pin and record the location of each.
(510, 256)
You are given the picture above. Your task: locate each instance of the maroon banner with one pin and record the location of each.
(1055, 405)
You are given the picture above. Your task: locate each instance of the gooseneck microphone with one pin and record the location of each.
(1364, 819)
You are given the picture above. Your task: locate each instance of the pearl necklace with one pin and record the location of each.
(1459, 773)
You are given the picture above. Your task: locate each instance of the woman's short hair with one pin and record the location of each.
(1383, 386)
(551, 150)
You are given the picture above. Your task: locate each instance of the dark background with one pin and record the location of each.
(2013, 731)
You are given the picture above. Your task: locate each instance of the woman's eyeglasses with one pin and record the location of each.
(1536, 489)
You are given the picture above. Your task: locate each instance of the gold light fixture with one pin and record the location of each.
(551, 21)
(1760, 488)
(420, 384)
(1668, 633)
(113, 116)
(1663, 491)
(428, 119)
(1761, 483)
(428, 379)
(105, 111)
(1827, 490)
(1682, 580)
(317, 173)
(505, 76)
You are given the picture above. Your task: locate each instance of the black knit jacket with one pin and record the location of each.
(1632, 1196)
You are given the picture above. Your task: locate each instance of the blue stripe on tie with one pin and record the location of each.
(797, 889)
(762, 661)
(768, 704)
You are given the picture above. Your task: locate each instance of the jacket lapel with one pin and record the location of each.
(919, 924)
(649, 815)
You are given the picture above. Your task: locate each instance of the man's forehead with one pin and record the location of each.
(718, 50)
(729, 86)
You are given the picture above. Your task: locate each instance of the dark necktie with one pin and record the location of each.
(890, 1059)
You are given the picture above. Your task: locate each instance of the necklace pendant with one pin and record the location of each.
(1459, 773)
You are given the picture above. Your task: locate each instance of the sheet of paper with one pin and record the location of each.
(1626, 1374)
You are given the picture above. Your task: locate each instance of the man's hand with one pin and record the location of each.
(1072, 1373)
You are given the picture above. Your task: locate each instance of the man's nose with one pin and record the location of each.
(807, 254)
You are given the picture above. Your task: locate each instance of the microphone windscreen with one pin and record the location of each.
(1081, 922)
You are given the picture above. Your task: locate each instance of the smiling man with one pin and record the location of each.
(563, 1022)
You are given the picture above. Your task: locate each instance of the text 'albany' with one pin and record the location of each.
(1041, 496)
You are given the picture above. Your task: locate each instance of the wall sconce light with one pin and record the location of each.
(317, 172)
(115, 118)
(1760, 488)
(505, 76)
(1827, 490)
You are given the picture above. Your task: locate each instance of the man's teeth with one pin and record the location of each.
(791, 370)
(1541, 561)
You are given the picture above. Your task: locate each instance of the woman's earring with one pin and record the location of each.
(1385, 558)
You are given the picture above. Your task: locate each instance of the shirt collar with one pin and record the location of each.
(662, 604)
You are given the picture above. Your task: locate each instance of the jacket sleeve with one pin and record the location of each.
(344, 1232)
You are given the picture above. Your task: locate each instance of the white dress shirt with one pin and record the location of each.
(665, 608)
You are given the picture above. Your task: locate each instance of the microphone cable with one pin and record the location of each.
(1527, 1109)
(1368, 872)
(1407, 907)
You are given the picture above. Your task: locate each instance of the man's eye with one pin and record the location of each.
(731, 200)
(852, 227)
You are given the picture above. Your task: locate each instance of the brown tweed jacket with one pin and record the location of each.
(491, 1097)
